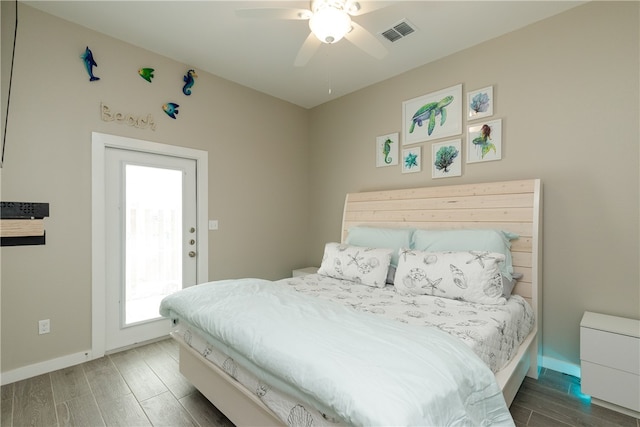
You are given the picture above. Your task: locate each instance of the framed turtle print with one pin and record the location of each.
(480, 103)
(484, 141)
(432, 116)
(387, 150)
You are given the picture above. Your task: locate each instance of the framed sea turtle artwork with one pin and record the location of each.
(484, 141)
(480, 103)
(432, 116)
(411, 160)
(447, 159)
(387, 150)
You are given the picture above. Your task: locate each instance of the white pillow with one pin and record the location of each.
(368, 266)
(472, 276)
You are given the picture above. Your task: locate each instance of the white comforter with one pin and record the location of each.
(365, 369)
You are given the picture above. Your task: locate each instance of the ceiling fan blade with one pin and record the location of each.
(366, 41)
(308, 49)
(274, 13)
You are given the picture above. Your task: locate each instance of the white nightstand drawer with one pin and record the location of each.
(610, 361)
(611, 385)
(609, 349)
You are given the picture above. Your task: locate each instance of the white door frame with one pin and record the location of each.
(99, 143)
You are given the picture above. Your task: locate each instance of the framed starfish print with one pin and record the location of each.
(411, 160)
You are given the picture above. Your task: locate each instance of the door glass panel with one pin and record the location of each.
(153, 248)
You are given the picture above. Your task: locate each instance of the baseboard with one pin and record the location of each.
(44, 367)
(616, 408)
(561, 366)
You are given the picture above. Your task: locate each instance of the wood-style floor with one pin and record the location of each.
(142, 387)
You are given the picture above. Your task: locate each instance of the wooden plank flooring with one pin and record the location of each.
(143, 387)
(555, 400)
(138, 387)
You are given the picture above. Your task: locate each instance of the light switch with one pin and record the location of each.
(213, 224)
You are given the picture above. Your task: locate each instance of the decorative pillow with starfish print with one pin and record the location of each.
(367, 266)
(472, 276)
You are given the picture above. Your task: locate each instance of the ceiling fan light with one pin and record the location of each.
(330, 24)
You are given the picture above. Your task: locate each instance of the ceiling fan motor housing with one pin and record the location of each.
(330, 20)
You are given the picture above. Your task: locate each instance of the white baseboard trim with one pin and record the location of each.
(561, 366)
(615, 407)
(44, 367)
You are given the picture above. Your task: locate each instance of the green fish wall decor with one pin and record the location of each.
(146, 73)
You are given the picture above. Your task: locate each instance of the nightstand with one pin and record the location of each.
(304, 271)
(610, 361)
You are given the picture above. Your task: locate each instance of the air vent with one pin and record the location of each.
(398, 31)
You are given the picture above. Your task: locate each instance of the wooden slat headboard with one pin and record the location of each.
(514, 206)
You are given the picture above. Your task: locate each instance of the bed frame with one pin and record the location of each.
(514, 206)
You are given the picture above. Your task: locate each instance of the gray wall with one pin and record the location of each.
(567, 92)
(54, 108)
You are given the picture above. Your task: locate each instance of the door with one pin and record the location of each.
(150, 221)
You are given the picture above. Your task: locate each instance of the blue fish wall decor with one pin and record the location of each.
(189, 80)
(171, 108)
(89, 63)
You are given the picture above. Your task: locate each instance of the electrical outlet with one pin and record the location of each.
(44, 326)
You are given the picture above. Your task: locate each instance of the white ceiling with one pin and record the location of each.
(259, 53)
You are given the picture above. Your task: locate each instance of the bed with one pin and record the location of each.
(230, 379)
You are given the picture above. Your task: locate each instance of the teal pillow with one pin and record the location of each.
(467, 240)
(374, 237)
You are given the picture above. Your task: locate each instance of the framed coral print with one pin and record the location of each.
(480, 103)
(432, 116)
(411, 160)
(447, 159)
(484, 141)
(387, 150)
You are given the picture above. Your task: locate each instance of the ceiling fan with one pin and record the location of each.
(329, 22)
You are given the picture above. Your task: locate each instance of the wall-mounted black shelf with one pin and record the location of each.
(21, 223)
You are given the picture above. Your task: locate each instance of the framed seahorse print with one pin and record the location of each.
(387, 150)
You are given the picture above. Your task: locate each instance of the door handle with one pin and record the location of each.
(192, 254)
